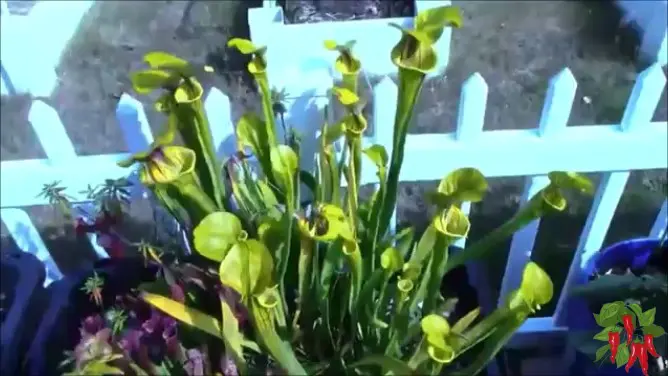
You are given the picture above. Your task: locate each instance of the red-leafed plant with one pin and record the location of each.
(132, 338)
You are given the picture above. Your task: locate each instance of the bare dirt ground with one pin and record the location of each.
(516, 46)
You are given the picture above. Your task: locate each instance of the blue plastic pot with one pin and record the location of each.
(22, 278)
(633, 254)
(68, 306)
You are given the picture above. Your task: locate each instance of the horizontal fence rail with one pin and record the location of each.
(33, 43)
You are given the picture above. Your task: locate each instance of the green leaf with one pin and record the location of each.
(609, 313)
(462, 324)
(366, 295)
(332, 133)
(622, 356)
(404, 240)
(432, 21)
(597, 317)
(284, 161)
(603, 334)
(572, 181)
(424, 246)
(232, 337)
(647, 317)
(160, 60)
(637, 310)
(146, 81)
(216, 234)
(464, 184)
(247, 268)
(453, 223)
(391, 260)
(378, 155)
(389, 364)
(100, 368)
(536, 285)
(330, 45)
(247, 131)
(653, 330)
(187, 315)
(244, 46)
(600, 353)
(345, 96)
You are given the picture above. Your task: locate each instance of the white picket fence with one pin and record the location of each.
(636, 143)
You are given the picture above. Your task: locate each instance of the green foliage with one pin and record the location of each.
(327, 289)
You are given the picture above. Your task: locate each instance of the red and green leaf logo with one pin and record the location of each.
(630, 335)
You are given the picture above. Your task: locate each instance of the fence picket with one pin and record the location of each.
(384, 95)
(470, 123)
(27, 238)
(51, 132)
(134, 125)
(218, 112)
(472, 106)
(523, 241)
(644, 98)
(138, 137)
(558, 103)
(598, 222)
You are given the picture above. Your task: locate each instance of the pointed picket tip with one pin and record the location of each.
(50, 131)
(128, 100)
(219, 113)
(472, 107)
(564, 80)
(644, 98)
(386, 85)
(133, 122)
(558, 103)
(475, 84)
(385, 98)
(216, 98)
(653, 75)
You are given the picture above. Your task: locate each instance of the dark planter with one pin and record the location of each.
(68, 305)
(633, 254)
(22, 290)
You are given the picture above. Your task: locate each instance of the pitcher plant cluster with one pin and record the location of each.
(327, 289)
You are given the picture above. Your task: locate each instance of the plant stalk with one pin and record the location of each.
(484, 246)
(196, 133)
(410, 83)
(280, 350)
(195, 201)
